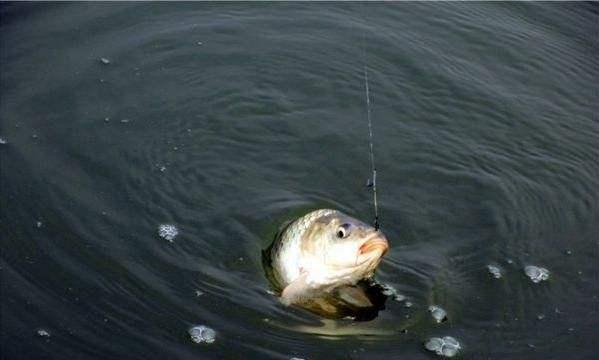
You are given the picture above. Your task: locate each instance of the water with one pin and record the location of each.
(225, 120)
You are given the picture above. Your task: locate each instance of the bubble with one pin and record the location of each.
(451, 341)
(168, 232)
(38, 224)
(43, 333)
(449, 351)
(495, 271)
(199, 293)
(105, 61)
(434, 344)
(202, 334)
(536, 274)
(446, 346)
(296, 358)
(3, 141)
(388, 290)
(438, 313)
(399, 297)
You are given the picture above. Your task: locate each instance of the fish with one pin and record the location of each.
(321, 261)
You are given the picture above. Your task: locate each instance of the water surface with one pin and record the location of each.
(226, 120)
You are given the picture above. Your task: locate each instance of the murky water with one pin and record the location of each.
(225, 120)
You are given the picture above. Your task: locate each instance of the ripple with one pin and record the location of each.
(485, 144)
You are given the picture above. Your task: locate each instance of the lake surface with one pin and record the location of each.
(226, 120)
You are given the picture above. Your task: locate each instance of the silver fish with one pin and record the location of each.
(320, 258)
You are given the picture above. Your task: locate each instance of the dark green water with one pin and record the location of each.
(238, 116)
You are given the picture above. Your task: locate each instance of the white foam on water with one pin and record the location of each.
(446, 346)
(399, 297)
(43, 333)
(438, 313)
(536, 274)
(168, 232)
(434, 344)
(201, 334)
(495, 271)
(390, 291)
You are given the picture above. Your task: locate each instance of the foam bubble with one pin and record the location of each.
(43, 333)
(495, 271)
(390, 291)
(168, 232)
(438, 313)
(536, 274)
(446, 346)
(201, 334)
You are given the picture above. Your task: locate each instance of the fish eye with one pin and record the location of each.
(343, 231)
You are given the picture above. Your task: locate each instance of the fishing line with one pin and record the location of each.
(371, 138)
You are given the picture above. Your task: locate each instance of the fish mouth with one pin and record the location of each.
(376, 243)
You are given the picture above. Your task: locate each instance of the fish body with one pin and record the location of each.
(321, 253)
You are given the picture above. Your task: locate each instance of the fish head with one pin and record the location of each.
(347, 248)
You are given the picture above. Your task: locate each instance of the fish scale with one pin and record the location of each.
(287, 247)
